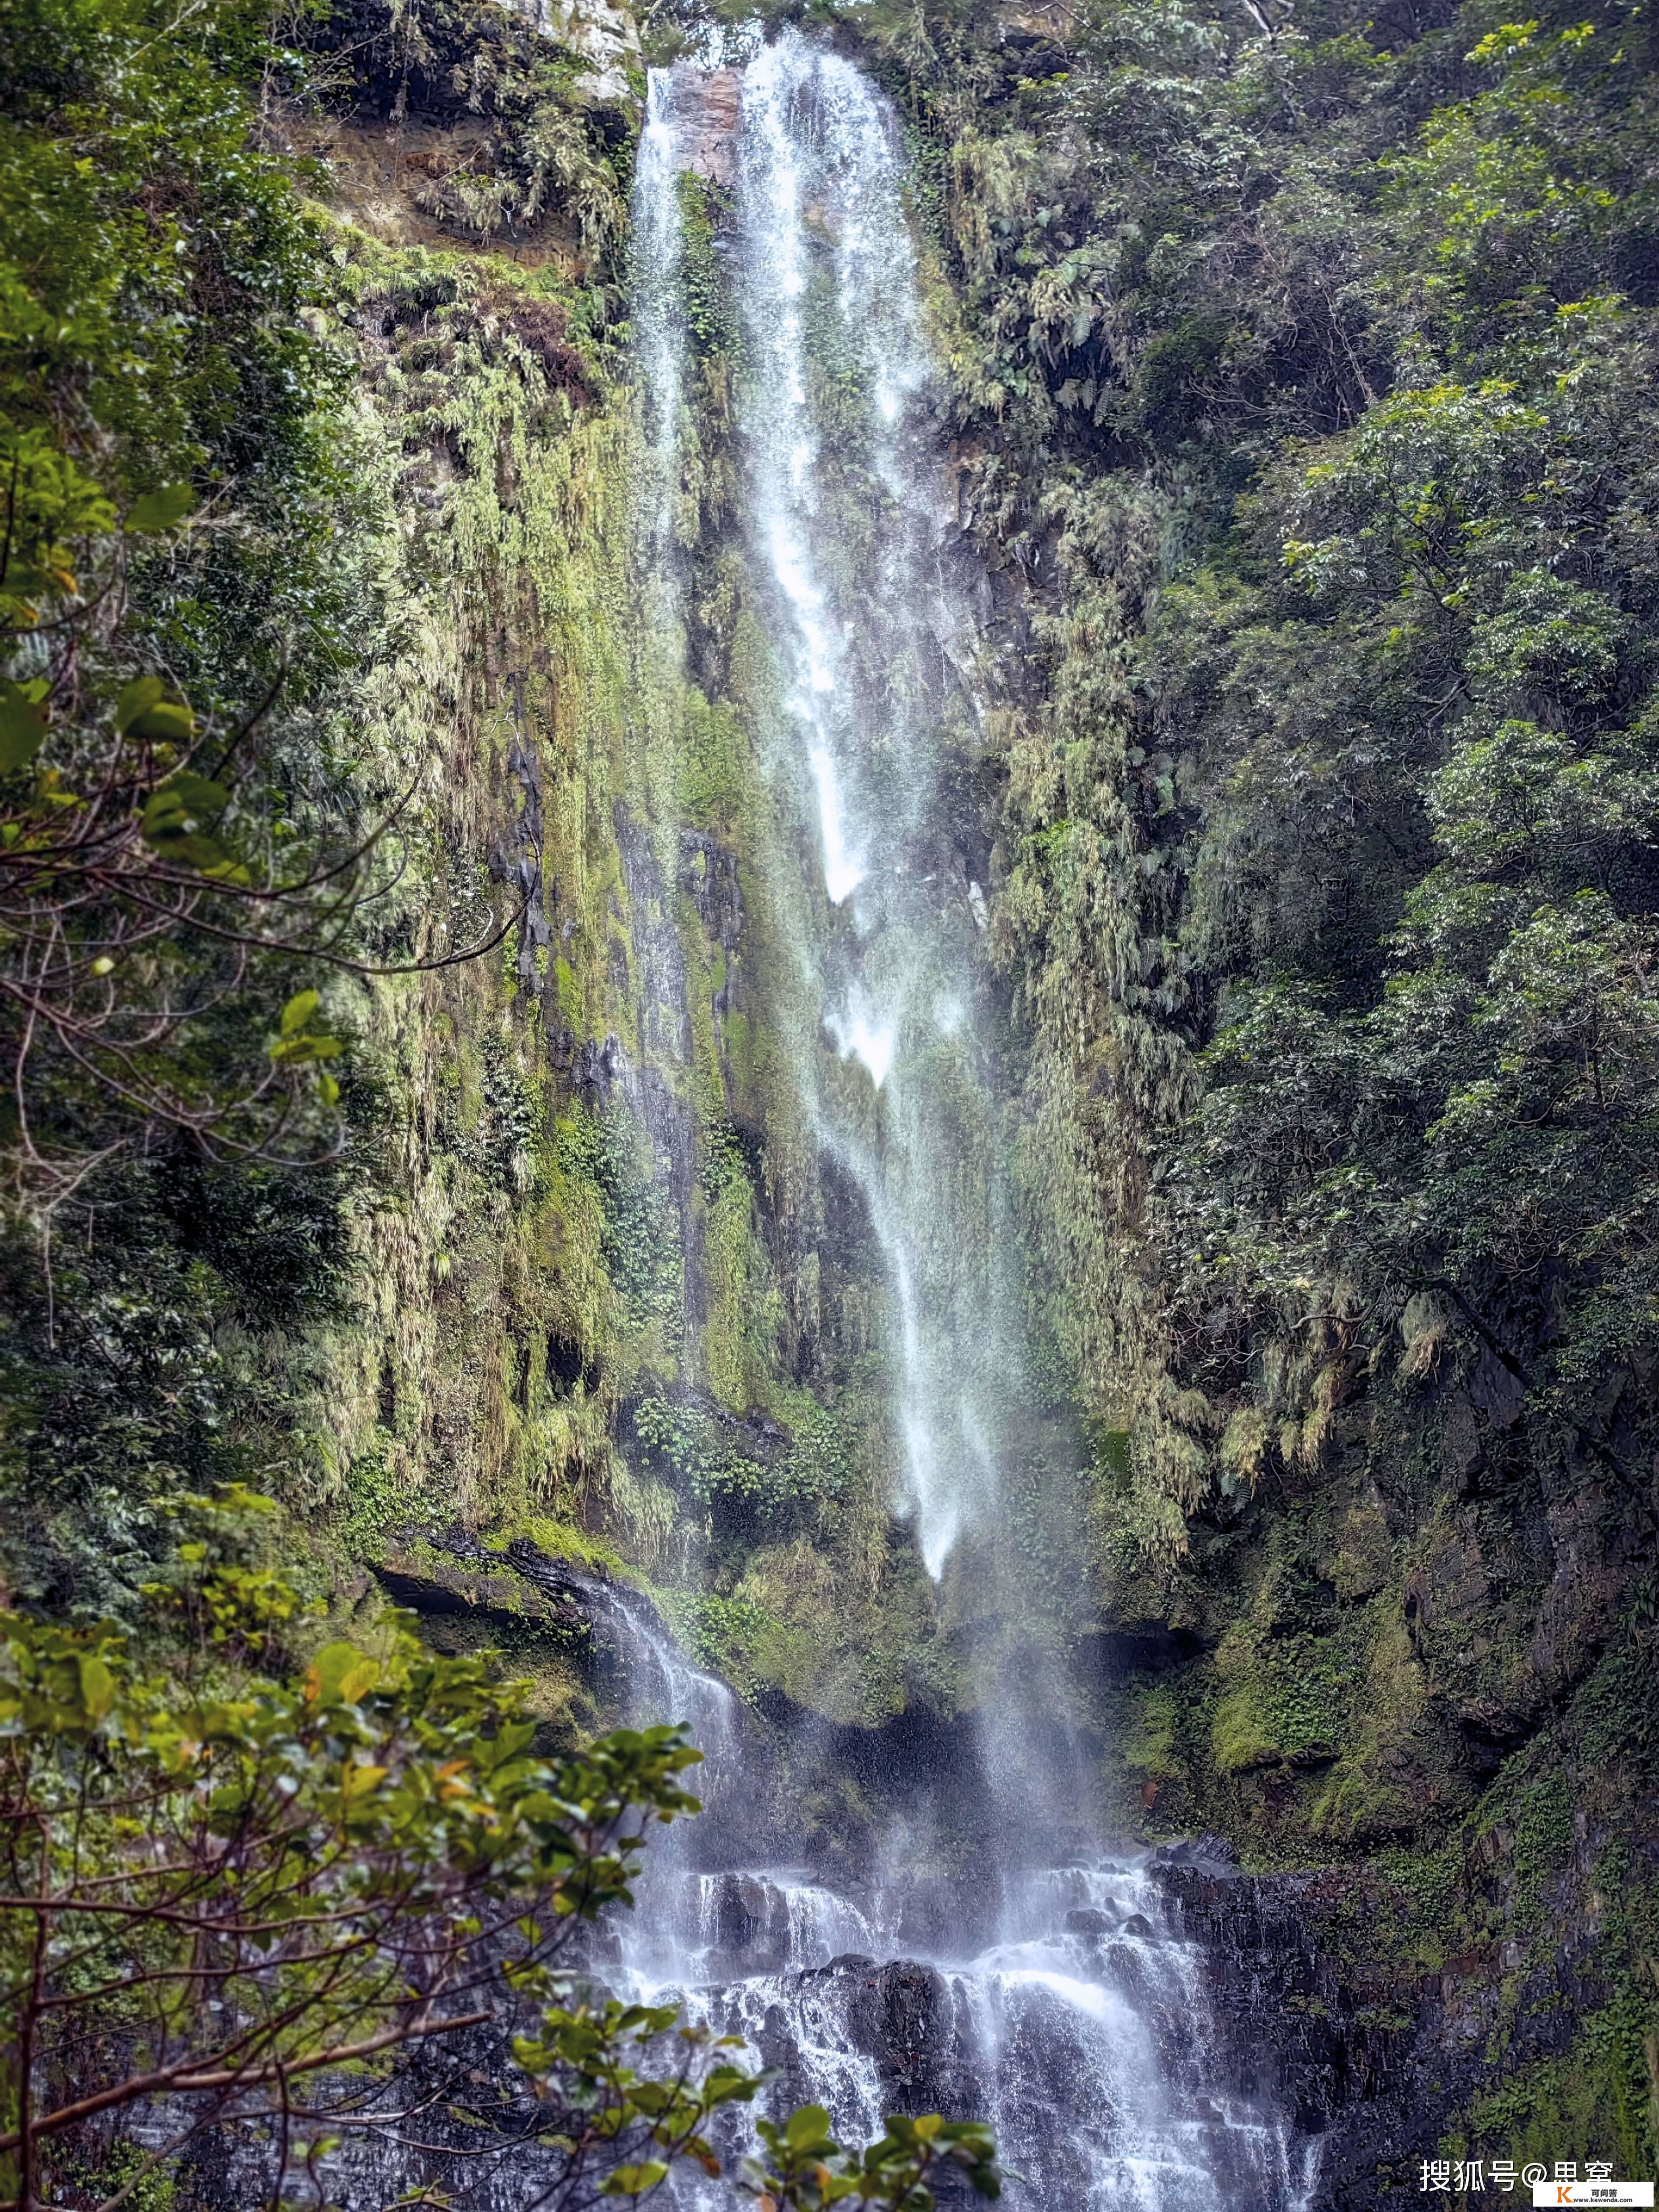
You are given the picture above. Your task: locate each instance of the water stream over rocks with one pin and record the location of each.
(1066, 2003)
(1050, 1990)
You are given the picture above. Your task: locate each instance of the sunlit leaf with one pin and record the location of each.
(97, 1685)
(340, 1675)
(23, 727)
(160, 510)
(634, 2180)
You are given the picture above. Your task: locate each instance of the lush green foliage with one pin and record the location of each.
(1446, 1110)
(169, 601)
(230, 1895)
(191, 810)
(802, 2163)
(349, 1859)
(1324, 354)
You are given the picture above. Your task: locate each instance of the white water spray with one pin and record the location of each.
(845, 520)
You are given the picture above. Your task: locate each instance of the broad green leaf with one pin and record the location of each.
(225, 869)
(339, 1674)
(200, 794)
(298, 1012)
(22, 727)
(137, 698)
(634, 2180)
(173, 821)
(97, 1685)
(142, 710)
(292, 1049)
(160, 510)
(170, 723)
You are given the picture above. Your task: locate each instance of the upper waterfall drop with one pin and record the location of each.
(856, 575)
(845, 515)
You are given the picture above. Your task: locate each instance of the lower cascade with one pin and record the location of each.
(1080, 2031)
(1064, 2003)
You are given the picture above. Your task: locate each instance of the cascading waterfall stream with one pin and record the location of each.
(1058, 1999)
(658, 338)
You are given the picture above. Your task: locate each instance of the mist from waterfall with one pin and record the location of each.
(1061, 1987)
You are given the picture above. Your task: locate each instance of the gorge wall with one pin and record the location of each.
(1290, 389)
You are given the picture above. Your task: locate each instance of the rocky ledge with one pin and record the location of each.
(1375, 2059)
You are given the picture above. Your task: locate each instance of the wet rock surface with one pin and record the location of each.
(708, 114)
(1248, 1991)
(1371, 2063)
(1066, 2007)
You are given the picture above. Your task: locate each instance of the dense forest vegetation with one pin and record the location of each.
(1297, 369)
(1307, 364)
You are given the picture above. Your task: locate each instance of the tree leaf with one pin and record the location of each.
(810, 2125)
(142, 710)
(634, 2180)
(22, 727)
(298, 1012)
(287, 1051)
(170, 723)
(137, 698)
(97, 1685)
(160, 510)
(199, 793)
(172, 821)
(339, 1674)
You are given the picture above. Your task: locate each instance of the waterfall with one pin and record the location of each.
(849, 540)
(658, 347)
(1053, 1992)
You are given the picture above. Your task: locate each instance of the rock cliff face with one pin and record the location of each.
(606, 39)
(708, 120)
(1380, 2057)
(1372, 2060)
